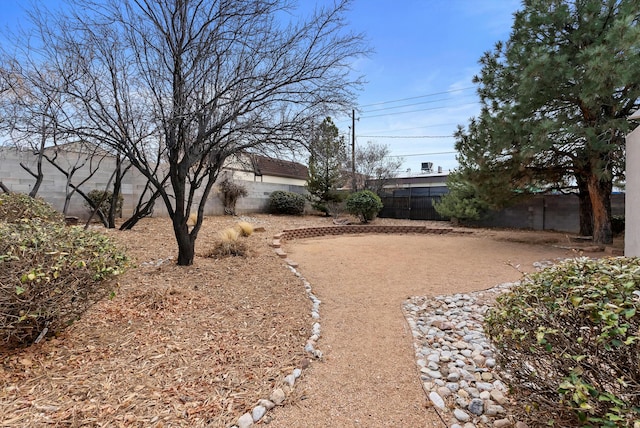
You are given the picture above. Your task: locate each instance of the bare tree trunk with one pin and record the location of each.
(186, 245)
(96, 207)
(115, 207)
(4, 188)
(600, 194)
(142, 210)
(38, 175)
(584, 207)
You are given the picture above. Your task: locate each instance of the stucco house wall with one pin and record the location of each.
(632, 205)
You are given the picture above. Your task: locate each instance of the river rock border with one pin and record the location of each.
(279, 394)
(454, 358)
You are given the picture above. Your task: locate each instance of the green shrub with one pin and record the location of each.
(102, 198)
(281, 202)
(332, 200)
(569, 339)
(49, 275)
(15, 207)
(364, 204)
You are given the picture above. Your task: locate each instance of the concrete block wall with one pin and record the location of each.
(258, 195)
(632, 209)
(547, 212)
(54, 185)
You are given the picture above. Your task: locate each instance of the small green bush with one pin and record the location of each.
(332, 201)
(103, 199)
(364, 204)
(15, 207)
(569, 339)
(50, 274)
(281, 202)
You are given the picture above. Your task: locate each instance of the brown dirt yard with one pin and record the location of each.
(199, 346)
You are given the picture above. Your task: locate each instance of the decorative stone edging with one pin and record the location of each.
(278, 395)
(314, 232)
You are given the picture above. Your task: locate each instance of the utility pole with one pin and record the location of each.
(353, 150)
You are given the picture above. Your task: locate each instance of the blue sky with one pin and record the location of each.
(426, 53)
(425, 49)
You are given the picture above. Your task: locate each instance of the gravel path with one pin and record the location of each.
(376, 370)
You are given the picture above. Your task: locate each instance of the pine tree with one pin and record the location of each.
(556, 97)
(327, 155)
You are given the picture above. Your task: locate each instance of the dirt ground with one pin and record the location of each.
(368, 376)
(200, 345)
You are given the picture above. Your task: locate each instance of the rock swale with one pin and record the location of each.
(455, 359)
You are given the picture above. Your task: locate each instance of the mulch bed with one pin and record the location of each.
(176, 346)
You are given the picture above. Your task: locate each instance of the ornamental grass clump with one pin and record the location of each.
(569, 340)
(49, 273)
(245, 228)
(228, 244)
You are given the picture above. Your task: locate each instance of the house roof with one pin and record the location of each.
(424, 180)
(279, 168)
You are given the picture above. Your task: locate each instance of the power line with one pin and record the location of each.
(415, 111)
(464, 97)
(382, 131)
(405, 105)
(417, 97)
(405, 136)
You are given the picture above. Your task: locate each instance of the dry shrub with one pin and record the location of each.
(569, 338)
(230, 192)
(16, 207)
(229, 235)
(228, 245)
(49, 273)
(245, 228)
(192, 220)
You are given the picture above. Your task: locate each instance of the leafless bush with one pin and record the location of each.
(230, 192)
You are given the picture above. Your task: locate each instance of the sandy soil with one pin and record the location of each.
(368, 377)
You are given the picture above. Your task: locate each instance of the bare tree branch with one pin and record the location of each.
(178, 86)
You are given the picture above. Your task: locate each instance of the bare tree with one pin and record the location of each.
(374, 166)
(29, 107)
(185, 84)
(36, 116)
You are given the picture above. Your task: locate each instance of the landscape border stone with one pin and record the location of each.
(415, 315)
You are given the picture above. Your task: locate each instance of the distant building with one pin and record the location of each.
(263, 169)
(430, 184)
